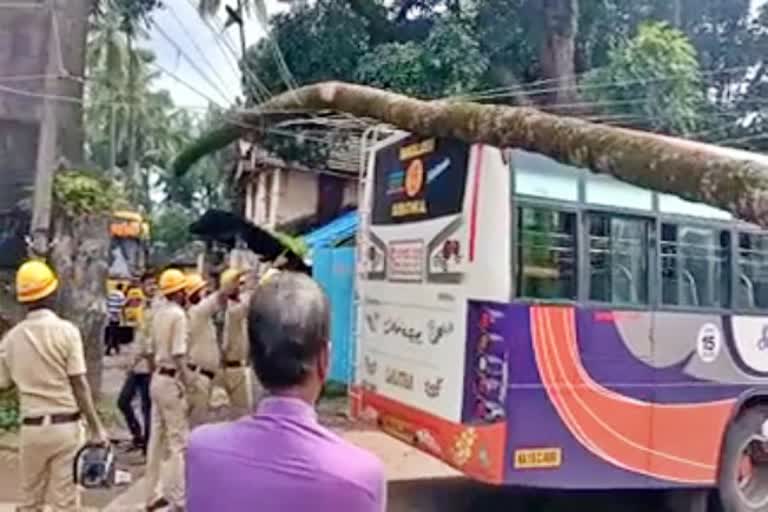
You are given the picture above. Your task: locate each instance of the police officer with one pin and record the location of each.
(237, 376)
(168, 391)
(43, 356)
(204, 354)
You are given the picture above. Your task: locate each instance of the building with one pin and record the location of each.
(37, 134)
(286, 195)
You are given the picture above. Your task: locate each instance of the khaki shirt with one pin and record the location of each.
(144, 345)
(203, 347)
(235, 342)
(170, 331)
(39, 355)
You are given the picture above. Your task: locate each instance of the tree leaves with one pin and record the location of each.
(653, 77)
(80, 193)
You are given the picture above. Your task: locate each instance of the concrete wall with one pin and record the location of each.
(24, 41)
(298, 196)
(273, 201)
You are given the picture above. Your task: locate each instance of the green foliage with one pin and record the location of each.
(9, 410)
(449, 62)
(319, 42)
(170, 228)
(84, 193)
(655, 77)
(296, 244)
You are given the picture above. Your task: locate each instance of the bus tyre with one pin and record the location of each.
(743, 474)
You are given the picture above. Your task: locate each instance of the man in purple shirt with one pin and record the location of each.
(281, 459)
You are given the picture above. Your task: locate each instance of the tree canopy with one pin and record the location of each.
(129, 118)
(699, 75)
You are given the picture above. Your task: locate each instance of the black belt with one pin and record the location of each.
(168, 372)
(234, 364)
(56, 419)
(202, 371)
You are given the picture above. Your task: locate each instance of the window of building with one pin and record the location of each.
(752, 271)
(694, 266)
(618, 259)
(546, 254)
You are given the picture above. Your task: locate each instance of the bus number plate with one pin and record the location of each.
(542, 458)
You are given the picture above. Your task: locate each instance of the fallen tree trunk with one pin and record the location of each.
(691, 171)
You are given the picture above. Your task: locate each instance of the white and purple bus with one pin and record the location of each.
(534, 324)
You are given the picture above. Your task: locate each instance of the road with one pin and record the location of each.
(418, 483)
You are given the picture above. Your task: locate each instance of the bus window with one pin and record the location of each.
(547, 254)
(694, 266)
(752, 271)
(618, 259)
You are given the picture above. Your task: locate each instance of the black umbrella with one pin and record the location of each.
(227, 228)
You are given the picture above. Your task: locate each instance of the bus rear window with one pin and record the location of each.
(419, 179)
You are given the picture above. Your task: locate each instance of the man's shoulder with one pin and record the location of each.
(207, 436)
(350, 462)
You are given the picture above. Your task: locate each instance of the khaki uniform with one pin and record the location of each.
(169, 429)
(237, 378)
(204, 357)
(145, 345)
(39, 355)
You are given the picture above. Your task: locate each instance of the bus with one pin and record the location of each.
(128, 256)
(534, 324)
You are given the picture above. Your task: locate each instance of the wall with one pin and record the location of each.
(350, 193)
(294, 194)
(23, 51)
(298, 196)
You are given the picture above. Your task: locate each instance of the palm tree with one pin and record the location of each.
(106, 61)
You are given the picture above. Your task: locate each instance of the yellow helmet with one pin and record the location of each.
(171, 281)
(230, 275)
(35, 281)
(195, 283)
(269, 274)
(135, 293)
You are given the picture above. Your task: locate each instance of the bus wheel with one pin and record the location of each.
(743, 475)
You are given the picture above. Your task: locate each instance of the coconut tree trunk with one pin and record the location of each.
(677, 13)
(80, 258)
(132, 177)
(558, 50)
(649, 161)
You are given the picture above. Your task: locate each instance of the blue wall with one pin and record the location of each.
(334, 269)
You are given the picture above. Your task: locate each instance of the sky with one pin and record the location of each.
(215, 55)
(203, 60)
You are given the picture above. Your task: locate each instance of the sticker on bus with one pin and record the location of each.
(406, 260)
(538, 458)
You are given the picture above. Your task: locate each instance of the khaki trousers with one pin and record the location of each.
(167, 440)
(199, 399)
(237, 383)
(47, 455)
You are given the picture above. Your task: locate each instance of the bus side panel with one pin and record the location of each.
(586, 410)
(544, 445)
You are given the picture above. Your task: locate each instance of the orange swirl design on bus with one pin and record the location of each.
(675, 442)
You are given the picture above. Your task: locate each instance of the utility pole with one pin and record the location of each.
(61, 124)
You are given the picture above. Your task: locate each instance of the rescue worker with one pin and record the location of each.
(43, 356)
(168, 392)
(236, 374)
(204, 353)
